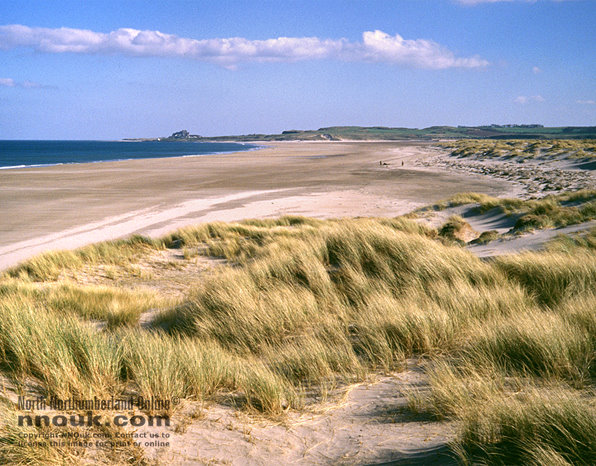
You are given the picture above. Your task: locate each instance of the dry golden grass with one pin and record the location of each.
(309, 302)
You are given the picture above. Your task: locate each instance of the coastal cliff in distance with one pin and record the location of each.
(361, 133)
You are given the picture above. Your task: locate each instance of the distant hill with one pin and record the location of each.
(361, 133)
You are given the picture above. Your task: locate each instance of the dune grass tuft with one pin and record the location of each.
(571, 243)
(551, 277)
(50, 265)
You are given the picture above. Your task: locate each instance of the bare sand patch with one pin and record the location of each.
(166, 271)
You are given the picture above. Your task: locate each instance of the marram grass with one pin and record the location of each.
(307, 303)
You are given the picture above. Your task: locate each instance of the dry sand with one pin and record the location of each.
(68, 206)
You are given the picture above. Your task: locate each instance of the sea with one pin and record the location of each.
(22, 154)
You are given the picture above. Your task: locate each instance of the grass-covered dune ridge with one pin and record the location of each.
(304, 304)
(551, 211)
(515, 148)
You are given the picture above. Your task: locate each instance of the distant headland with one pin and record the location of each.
(362, 133)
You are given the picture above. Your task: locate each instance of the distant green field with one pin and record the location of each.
(336, 133)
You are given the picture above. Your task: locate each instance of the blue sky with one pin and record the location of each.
(114, 69)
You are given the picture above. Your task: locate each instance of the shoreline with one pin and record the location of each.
(68, 206)
(53, 164)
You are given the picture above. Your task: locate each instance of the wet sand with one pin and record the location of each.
(67, 206)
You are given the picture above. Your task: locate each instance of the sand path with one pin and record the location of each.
(533, 241)
(371, 425)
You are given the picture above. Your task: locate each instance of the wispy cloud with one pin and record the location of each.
(9, 82)
(524, 99)
(586, 102)
(376, 46)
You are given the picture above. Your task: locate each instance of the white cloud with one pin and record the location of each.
(381, 47)
(536, 70)
(376, 46)
(7, 82)
(523, 99)
(586, 102)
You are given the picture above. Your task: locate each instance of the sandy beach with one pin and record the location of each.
(68, 206)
